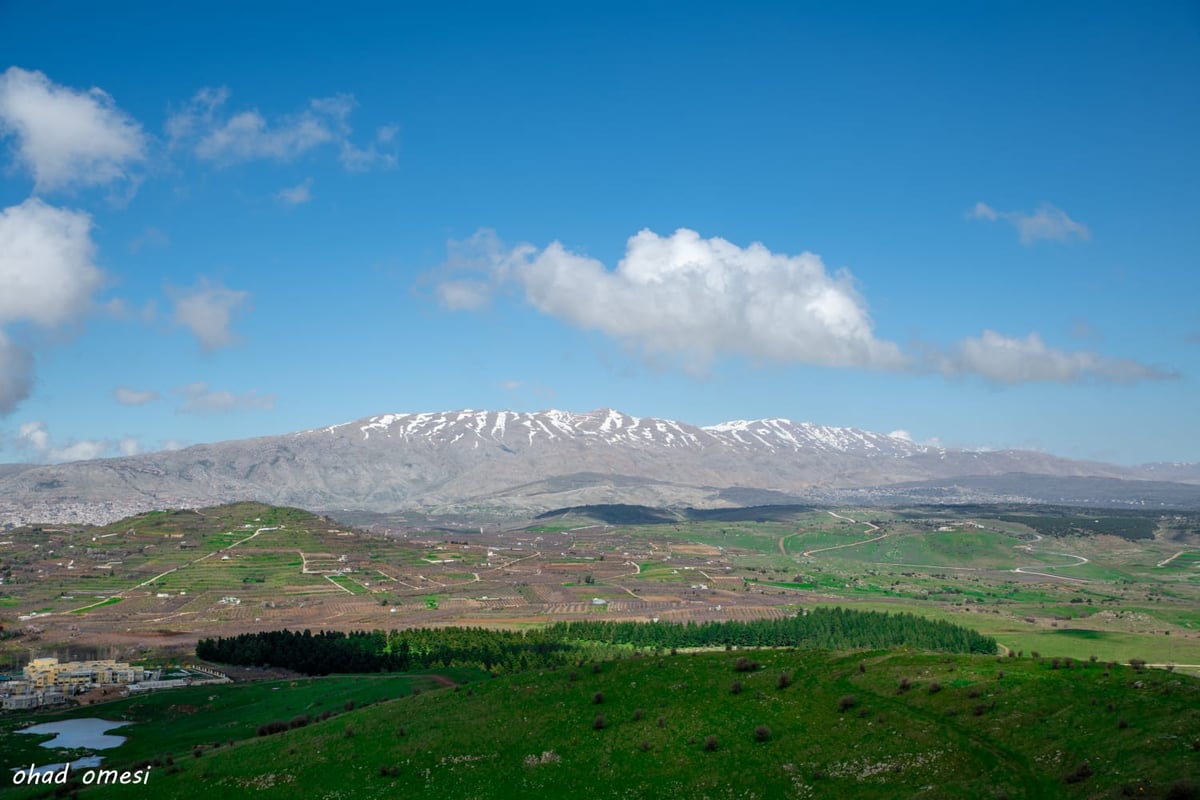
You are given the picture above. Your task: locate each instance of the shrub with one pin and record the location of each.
(1183, 789)
(904, 685)
(862, 667)
(1138, 664)
(598, 698)
(710, 743)
(197, 751)
(973, 693)
(349, 732)
(762, 733)
(736, 688)
(276, 726)
(979, 709)
(785, 680)
(349, 705)
(1080, 773)
(595, 668)
(573, 676)
(599, 723)
(847, 702)
(934, 688)
(1122, 723)
(637, 715)
(662, 722)
(644, 746)
(745, 665)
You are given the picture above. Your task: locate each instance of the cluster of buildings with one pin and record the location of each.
(48, 681)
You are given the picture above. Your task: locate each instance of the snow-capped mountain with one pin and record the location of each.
(506, 461)
(610, 427)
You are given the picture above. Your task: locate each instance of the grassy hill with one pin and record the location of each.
(867, 725)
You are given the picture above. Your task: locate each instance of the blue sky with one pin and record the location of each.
(976, 223)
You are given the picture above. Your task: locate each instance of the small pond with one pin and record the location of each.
(87, 732)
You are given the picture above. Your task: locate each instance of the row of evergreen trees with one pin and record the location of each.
(513, 651)
(399, 651)
(824, 628)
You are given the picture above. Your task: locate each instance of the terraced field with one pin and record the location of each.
(152, 585)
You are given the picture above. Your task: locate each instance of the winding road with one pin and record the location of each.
(870, 529)
(1028, 548)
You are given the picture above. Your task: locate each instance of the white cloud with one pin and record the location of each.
(1047, 223)
(207, 310)
(198, 398)
(47, 274)
(16, 375)
(1010, 361)
(67, 138)
(296, 195)
(47, 278)
(693, 297)
(213, 134)
(464, 295)
(133, 397)
(364, 159)
(34, 436)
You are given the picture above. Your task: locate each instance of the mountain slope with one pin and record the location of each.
(504, 461)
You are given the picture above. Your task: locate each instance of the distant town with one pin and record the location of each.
(49, 682)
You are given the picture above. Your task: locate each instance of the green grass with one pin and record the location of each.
(172, 721)
(349, 585)
(106, 602)
(1010, 726)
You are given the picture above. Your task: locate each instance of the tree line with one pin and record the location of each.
(562, 643)
(820, 628)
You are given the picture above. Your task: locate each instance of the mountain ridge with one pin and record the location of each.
(521, 462)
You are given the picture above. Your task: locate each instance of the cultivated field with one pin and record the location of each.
(1046, 580)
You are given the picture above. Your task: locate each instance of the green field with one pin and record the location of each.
(173, 721)
(675, 726)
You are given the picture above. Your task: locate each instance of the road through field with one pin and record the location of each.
(205, 557)
(1028, 548)
(870, 529)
